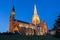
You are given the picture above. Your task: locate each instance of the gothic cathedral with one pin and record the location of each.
(37, 27)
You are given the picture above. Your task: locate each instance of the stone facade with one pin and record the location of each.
(35, 28)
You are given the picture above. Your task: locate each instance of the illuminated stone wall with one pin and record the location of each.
(36, 27)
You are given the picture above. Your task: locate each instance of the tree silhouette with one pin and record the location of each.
(57, 27)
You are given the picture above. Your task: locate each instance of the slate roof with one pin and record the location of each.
(22, 21)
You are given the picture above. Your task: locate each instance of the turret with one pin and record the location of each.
(12, 14)
(13, 11)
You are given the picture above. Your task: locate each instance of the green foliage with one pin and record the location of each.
(57, 24)
(24, 37)
(57, 27)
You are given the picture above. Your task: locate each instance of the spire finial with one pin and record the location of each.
(13, 8)
(35, 10)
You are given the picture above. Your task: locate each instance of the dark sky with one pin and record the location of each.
(48, 10)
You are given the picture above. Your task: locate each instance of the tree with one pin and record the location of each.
(57, 27)
(57, 24)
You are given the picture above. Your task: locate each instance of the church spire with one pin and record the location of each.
(13, 11)
(36, 19)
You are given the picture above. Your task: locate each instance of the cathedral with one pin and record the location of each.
(36, 27)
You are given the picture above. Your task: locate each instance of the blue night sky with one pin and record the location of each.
(48, 10)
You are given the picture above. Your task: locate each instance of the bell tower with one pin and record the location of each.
(11, 20)
(12, 14)
(35, 19)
